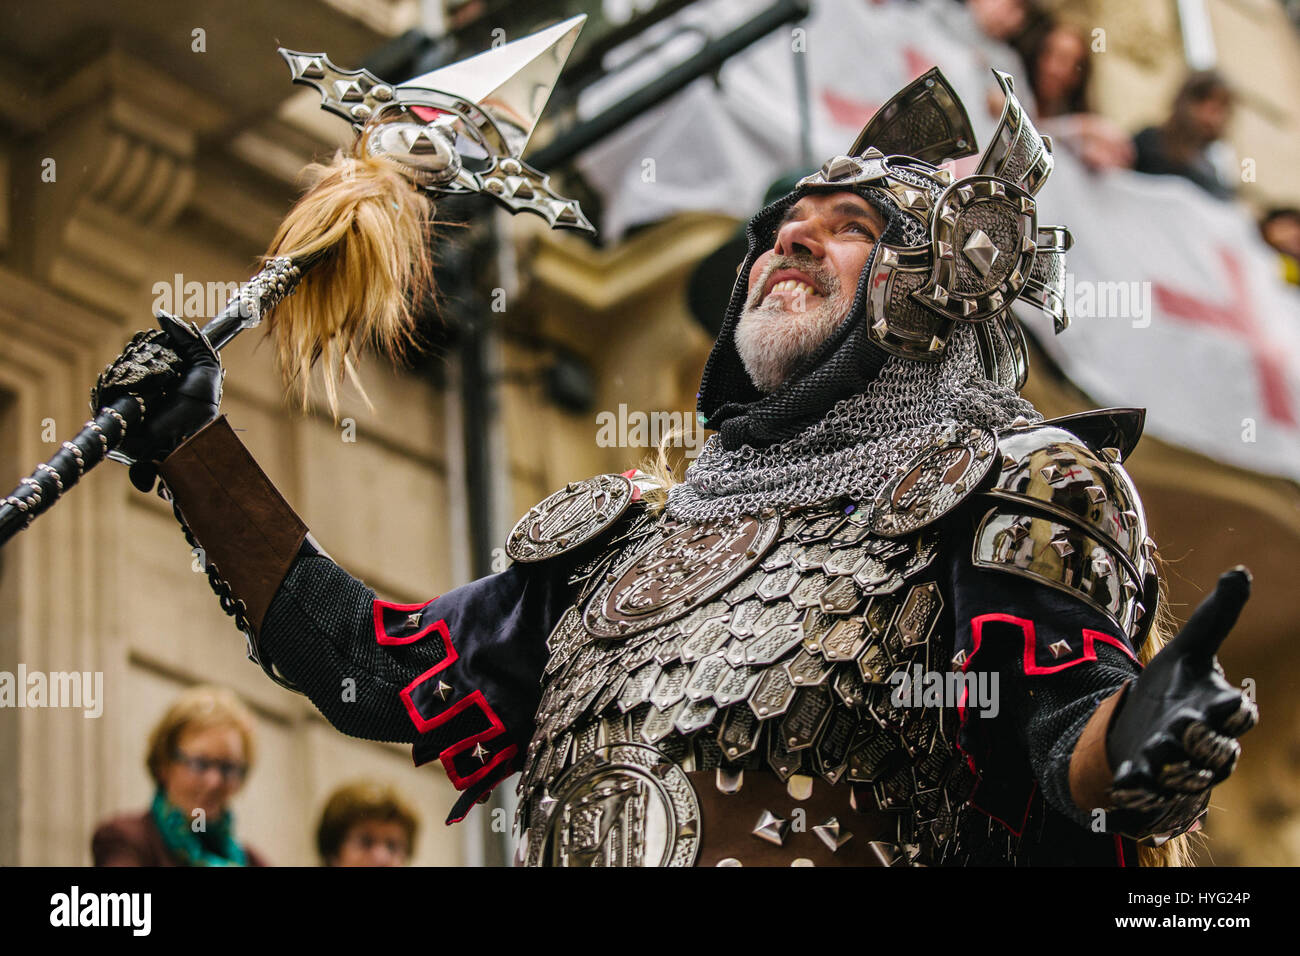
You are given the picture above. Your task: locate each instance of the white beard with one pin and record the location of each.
(772, 339)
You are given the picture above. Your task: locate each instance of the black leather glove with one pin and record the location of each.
(1174, 735)
(188, 402)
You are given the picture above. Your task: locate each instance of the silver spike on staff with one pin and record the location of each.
(408, 141)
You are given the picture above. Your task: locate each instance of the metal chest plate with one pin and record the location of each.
(770, 643)
(687, 568)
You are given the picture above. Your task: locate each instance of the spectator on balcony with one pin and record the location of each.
(1058, 61)
(1280, 228)
(1181, 146)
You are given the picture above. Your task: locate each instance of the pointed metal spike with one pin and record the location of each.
(771, 828)
(981, 251)
(511, 83)
(347, 91)
(1059, 649)
(839, 167)
(1062, 547)
(310, 67)
(832, 834)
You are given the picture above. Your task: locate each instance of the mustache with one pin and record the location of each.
(825, 277)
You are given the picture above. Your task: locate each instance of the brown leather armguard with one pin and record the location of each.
(1090, 771)
(241, 521)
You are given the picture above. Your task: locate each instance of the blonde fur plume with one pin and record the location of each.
(1179, 851)
(370, 226)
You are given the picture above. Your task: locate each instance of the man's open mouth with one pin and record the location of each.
(791, 281)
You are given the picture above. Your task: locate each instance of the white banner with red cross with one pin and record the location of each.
(1177, 303)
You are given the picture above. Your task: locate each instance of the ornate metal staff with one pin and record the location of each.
(355, 247)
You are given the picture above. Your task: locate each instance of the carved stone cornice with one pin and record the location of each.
(598, 280)
(106, 164)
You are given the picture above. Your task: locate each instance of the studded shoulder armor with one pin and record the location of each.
(1064, 512)
(574, 515)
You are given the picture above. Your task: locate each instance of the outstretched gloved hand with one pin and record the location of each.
(1174, 735)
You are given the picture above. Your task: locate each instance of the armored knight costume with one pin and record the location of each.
(780, 663)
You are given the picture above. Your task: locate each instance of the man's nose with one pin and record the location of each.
(800, 237)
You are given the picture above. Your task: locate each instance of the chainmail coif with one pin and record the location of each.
(849, 415)
(857, 445)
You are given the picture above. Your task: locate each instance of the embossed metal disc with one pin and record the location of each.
(570, 517)
(624, 805)
(692, 565)
(933, 483)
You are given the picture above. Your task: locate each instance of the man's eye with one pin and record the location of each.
(870, 234)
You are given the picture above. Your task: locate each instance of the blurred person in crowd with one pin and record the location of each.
(990, 30)
(1059, 69)
(366, 824)
(199, 755)
(1280, 228)
(995, 32)
(1181, 146)
(1001, 20)
(1058, 64)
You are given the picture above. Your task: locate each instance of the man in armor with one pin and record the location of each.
(890, 616)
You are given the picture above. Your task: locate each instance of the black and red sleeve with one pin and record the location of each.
(458, 677)
(1052, 659)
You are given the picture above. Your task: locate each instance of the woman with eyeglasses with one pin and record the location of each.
(199, 756)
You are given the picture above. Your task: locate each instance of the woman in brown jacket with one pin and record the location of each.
(199, 756)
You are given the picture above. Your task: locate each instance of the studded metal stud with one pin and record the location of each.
(771, 828)
(981, 251)
(729, 781)
(832, 834)
(799, 786)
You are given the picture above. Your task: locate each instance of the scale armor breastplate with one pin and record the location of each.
(767, 644)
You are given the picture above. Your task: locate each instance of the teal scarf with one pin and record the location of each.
(216, 847)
